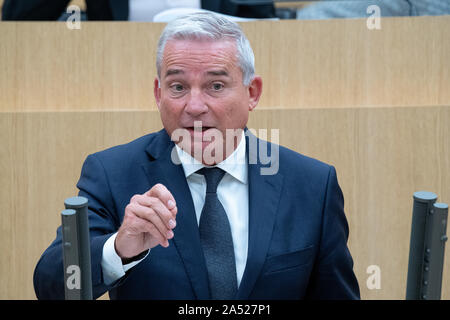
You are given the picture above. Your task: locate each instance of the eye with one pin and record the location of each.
(217, 86)
(177, 87)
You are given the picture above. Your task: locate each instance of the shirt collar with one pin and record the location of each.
(235, 164)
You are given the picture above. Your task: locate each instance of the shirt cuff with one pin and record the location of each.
(112, 266)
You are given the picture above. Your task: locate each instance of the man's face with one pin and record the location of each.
(201, 82)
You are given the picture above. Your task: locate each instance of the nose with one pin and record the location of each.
(195, 104)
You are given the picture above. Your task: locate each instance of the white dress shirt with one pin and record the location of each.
(145, 10)
(232, 192)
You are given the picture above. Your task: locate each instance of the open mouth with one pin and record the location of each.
(203, 129)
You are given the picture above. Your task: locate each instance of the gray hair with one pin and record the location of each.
(210, 26)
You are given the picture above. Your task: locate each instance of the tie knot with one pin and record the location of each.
(212, 177)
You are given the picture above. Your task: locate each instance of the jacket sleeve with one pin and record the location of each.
(333, 276)
(49, 275)
(33, 9)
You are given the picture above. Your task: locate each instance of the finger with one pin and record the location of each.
(141, 225)
(151, 230)
(168, 217)
(174, 211)
(150, 215)
(162, 193)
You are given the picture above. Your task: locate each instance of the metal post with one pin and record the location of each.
(423, 201)
(435, 239)
(77, 252)
(426, 251)
(71, 258)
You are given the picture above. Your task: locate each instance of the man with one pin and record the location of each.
(329, 9)
(133, 10)
(200, 218)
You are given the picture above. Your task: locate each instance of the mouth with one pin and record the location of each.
(196, 129)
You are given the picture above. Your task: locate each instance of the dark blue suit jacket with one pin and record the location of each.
(297, 229)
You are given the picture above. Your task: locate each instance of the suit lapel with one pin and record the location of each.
(187, 238)
(264, 197)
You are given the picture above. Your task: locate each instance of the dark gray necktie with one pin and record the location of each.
(216, 239)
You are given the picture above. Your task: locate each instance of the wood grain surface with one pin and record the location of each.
(304, 64)
(375, 104)
(382, 156)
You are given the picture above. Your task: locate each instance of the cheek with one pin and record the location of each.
(170, 114)
(237, 114)
(243, 118)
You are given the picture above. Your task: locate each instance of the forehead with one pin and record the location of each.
(200, 53)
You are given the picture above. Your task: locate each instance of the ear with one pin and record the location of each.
(254, 90)
(157, 91)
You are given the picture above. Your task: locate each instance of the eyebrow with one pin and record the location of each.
(174, 72)
(217, 73)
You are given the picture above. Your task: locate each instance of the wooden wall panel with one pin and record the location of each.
(382, 155)
(373, 103)
(40, 159)
(304, 64)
